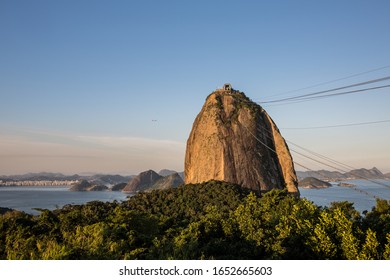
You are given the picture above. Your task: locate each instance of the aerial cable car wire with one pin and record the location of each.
(314, 96)
(337, 125)
(343, 169)
(332, 81)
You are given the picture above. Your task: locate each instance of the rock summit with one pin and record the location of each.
(234, 139)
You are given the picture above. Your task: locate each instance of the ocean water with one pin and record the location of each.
(363, 195)
(51, 197)
(26, 198)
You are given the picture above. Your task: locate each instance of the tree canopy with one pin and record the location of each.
(212, 220)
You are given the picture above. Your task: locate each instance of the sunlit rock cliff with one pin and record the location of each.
(233, 139)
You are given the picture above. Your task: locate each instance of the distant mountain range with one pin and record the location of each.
(166, 172)
(97, 179)
(362, 173)
(145, 181)
(173, 178)
(150, 180)
(163, 179)
(313, 183)
(84, 185)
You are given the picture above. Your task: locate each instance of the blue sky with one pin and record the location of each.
(81, 81)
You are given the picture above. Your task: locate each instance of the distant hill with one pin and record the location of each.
(171, 181)
(166, 172)
(362, 173)
(105, 179)
(322, 175)
(373, 173)
(313, 183)
(98, 179)
(142, 181)
(95, 188)
(118, 187)
(150, 180)
(84, 185)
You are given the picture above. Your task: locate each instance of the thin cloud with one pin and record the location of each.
(67, 152)
(134, 142)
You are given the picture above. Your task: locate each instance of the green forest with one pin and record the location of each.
(213, 220)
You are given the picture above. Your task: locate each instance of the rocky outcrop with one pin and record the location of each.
(356, 174)
(85, 186)
(142, 181)
(118, 187)
(96, 188)
(81, 186)
(313, 183)
(171, 181)
(150, 180)
(166, 172)
(106, 179)
(362, 173)
(233, 139)
(322, 175)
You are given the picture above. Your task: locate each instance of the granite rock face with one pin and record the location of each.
(234, 140)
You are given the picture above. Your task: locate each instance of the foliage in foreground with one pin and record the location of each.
(213, 220)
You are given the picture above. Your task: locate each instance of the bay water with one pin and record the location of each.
(51, 197)
(363, 195)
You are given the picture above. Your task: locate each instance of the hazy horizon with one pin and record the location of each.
(90, 173)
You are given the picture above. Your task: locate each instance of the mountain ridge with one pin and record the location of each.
(150, 180)
(360, 173)
(97, 179)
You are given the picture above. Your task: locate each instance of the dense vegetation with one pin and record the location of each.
(214, 220)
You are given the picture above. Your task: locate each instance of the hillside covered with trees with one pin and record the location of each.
(213, 220)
